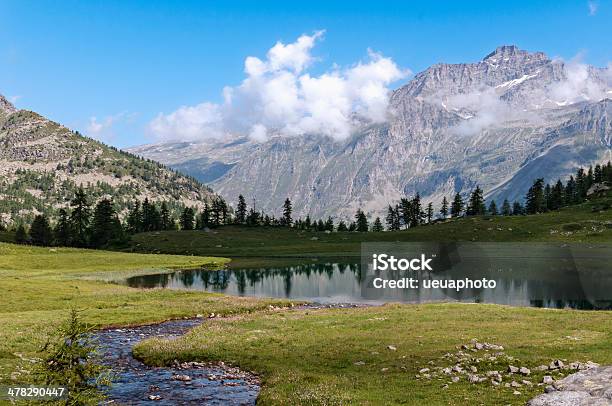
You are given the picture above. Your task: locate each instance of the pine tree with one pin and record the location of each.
(320, 225)
(205, 216)
(287, 210)
(151, 219)
(493, 208)
(106, 227)
(517, 209)
(457, 206)
(361, 221)
(444, 208)
(476, 205)
(547, 197)
(21, 236)
(393, 218)
(307, 222)
(329, 224)
(405, 211)
(167, 223)
(40, 231)
(506, 209)
(581, 185)
(62, 229)
(342, 226)
(134, 220)
(429, 212)
(598, 174)
(241, 210)
(187, 218)
(556, 196)
(79, 219)
(416, 212)
(377, 226)
(352, 227)
(253, 218)
(535, 202)
(223, 211)
(570, 195)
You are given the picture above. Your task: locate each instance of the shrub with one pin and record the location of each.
(70, 359)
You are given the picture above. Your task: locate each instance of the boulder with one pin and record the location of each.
(591, 387)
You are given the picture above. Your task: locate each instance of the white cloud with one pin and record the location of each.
(593, 7)
(580, 84)
(191, 122)
(280, 96)
(483, 108)
(103, 129)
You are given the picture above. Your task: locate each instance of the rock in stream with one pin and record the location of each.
(188, 383)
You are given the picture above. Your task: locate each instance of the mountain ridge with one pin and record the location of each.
(42, 163)
(504, 120)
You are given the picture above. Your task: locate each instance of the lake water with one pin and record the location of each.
(534, 278)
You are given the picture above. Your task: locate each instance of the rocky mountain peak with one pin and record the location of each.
(511, 54)
(504, 51)
(6, 107)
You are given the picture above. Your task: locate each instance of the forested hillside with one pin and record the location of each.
(43, 163)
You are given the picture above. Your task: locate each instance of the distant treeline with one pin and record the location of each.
(540, 198)
(81, 226)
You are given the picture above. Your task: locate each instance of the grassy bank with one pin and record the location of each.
(588, 222)
(316, 356)
(40, 285)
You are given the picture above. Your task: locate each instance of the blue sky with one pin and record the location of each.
(126, 62)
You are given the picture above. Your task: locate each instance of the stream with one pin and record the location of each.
(135, 383)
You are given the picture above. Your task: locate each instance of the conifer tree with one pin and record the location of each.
(167, 223)
(517, 209)
(506, 209)
(493, 208)
(21, 236)
(556, 196)
(329, 224)
(476, 204)
(205, 216)
(342, 226)
(444, 208)
(598, 174)
(361, 221)
(187, 218)
(416, 212)
(241, 210)
(570, 195)
(61, 232)
(287, 210)
(151, 219)
(134, 220)
(320, 225)
(377, 226)
(80, 219)
(405, 211)
(429, 212)
(253, 218)
(307, 222)
(106, 227)
(393, 218)
(40, 231)
(535, 202)
(457, 206)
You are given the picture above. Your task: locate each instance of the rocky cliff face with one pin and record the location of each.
(42, 164)
(498, 123)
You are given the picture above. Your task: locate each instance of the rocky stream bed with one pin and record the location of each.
(563, 383)
(181, 384)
